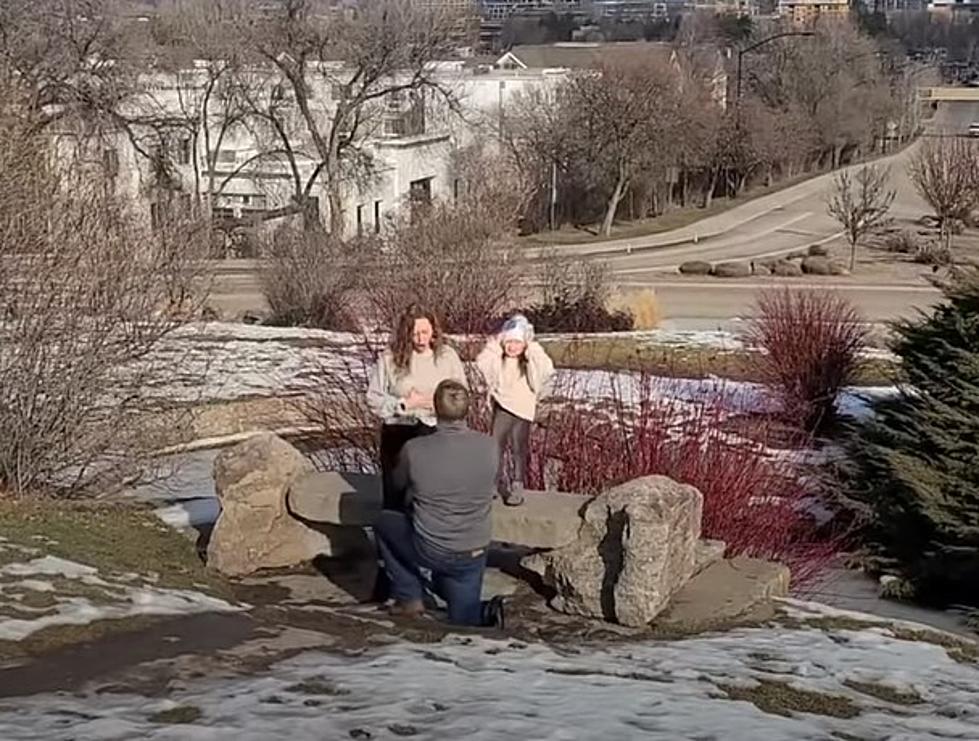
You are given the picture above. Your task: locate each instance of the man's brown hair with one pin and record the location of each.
(451, 401)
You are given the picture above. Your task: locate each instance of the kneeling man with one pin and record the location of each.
(449, 478)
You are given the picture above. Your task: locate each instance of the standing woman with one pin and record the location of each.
(517, 371)
(402, 387)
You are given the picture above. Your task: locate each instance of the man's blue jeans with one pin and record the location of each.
(456, 577)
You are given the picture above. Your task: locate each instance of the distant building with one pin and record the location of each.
(498, 10)
(626, 10)
(952, 7)
(554, 60)
(805, 13)
(722, 7)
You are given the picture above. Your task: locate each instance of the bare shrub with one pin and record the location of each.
(576, 297)
(565, 280)
(344, 435)
(809, 346)
(458, 257)
(902, 242)
(309, 279)
(945, 172)
(87, 293)
(933, 253)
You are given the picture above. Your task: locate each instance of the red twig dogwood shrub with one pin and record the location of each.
(598, 429)
(809, 345)
(757, 499)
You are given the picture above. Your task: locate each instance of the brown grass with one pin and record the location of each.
(779, 698)
(682, 361)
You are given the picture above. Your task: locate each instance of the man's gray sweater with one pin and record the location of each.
(450, 480)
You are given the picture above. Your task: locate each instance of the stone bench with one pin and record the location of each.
(621, 556)
(545, 520)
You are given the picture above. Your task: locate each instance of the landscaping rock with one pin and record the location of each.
(838, 268)
(724, 593)
(786, 269)
(732, 270)
(637, 547)
(255, 529)
(816, 266)
(545, 520)
(761, 268)
(818, 250)
(708, 553)
(696, 267)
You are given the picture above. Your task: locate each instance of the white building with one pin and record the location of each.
(409, 142)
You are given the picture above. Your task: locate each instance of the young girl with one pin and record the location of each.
(517, 371)
(402, 386)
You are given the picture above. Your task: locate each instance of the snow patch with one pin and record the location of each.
(489, 690)
(117, 597)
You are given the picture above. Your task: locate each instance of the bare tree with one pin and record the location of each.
(860, 203)
(190, 100)
(457, 257)
(835, 78)
(331, 76)
(63, 56)
(623, 116)
(87, 294)
(945, 172)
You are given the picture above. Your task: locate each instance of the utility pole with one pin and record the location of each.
(553, 205)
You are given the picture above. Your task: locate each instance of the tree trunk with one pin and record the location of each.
(337, 221)
(837, 154)
(613, 205)
(711, 187)
(853, 255)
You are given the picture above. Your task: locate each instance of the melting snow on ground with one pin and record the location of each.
(47, 591)
(481, 689)
(218, 362)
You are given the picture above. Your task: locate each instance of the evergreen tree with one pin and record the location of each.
(916, 461)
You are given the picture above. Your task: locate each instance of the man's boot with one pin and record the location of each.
(381, 592)
(494, 613)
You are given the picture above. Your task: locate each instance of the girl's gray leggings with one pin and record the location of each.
(510, 428)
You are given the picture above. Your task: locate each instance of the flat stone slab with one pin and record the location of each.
(544, 520)
(723, 593)
(708, 553)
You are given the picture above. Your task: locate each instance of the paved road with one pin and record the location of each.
(774, 224)
(700, 304)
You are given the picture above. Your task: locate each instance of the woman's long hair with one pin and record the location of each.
(402, 344)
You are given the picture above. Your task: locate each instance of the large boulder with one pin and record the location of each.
(732, 270)
(696, 267)
(638, 545)
(787, 269)
(816, 265)
(255, 529)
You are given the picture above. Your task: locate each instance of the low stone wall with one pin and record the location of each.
(622, 556)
